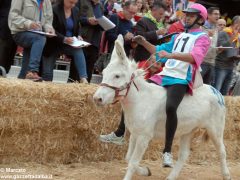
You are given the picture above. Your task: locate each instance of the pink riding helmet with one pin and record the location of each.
(197, 8)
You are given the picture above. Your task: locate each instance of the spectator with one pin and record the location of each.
(150, 3)
(221, 24)
(66, 25)
(91, 31)
(150, 27)
(108, 6)
(176, 27)
(225, 60)
(140, 7)
(169, 11)
(226, 18)
(124, 26)
(209, 60)
(7, 44)
(30, 15)
(213, 16)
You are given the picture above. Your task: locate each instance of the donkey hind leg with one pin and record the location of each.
(138, 152)
(217, 138)
(131, 147)
(184, 152)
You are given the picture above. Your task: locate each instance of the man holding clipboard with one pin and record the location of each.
(226, 59)
(26, 16)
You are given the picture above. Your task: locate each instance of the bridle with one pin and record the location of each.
(127, 86)
(117, 90)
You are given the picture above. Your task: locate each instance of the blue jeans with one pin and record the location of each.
(48, 63)
(223, 79)
(207, 73)
(33, 45)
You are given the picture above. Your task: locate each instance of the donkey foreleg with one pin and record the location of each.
(184, 152)
(133, 164)
(131, 147)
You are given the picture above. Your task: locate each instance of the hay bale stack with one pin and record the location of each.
(59, 123)
(45, 122)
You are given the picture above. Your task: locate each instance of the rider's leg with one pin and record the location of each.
(175, 94)
(116, 137)
(121, 127)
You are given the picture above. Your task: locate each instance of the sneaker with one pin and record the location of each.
(33, 76)
(83, 80)
(112, 138)
(167, 159)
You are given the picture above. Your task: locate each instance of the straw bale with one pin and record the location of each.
(59, 123)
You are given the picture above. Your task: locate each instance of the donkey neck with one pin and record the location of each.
(141, 92)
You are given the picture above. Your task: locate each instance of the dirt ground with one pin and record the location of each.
(115, 170)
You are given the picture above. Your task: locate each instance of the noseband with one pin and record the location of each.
(121, 88)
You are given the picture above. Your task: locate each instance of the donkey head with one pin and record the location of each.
(115, 76)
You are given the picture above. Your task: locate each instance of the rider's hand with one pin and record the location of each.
(164, 54)
(139, 39)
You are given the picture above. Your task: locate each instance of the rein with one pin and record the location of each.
(117, 90)
(127, 86)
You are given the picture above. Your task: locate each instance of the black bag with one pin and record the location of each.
(102, 62)
(104, 57)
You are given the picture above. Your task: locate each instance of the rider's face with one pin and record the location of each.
(190, 18)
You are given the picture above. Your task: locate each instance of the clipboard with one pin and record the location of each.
(42, 33)
(78, 43)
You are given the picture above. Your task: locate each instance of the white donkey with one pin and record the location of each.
(143, 104)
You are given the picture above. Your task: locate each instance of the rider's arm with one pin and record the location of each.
(166, 47)
(186, 57)
(197, 54)
(150, 47)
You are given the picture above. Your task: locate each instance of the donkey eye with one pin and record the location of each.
(117, 76)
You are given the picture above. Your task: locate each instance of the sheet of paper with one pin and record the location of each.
(43, 33)
(117, 7)
(220, 47)
(79, 43)
(105, 23)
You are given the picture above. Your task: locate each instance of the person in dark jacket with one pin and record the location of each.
(66, 25)
(7, 44)
(227, 58)
(151, 28)
(124, 26)
(89, 11)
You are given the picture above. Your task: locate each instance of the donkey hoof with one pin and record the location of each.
(227, 178)
(170, 178)
(149, 172)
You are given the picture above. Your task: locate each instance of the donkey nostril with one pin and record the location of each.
(97, 99)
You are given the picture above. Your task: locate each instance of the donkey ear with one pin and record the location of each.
(120, 49)
(120, 39)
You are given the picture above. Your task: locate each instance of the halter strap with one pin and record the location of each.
(127, 85)
(121, 88)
